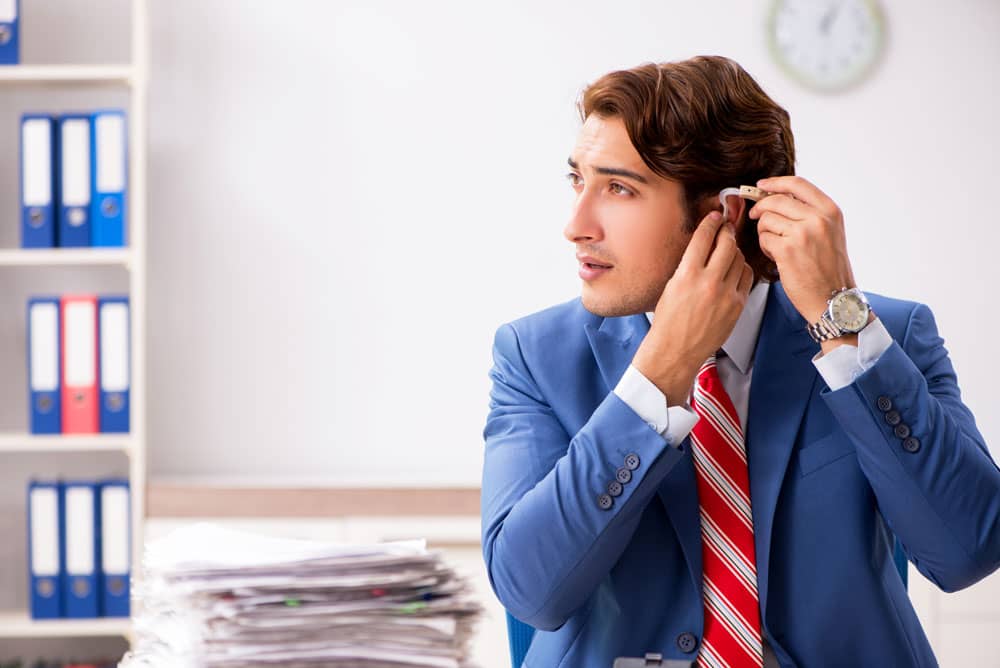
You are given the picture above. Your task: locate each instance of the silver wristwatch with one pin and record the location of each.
(846, 312)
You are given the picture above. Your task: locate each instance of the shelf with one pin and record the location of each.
(56, 257)
(63, 74)
(24, 442)
(18, 624)
(120, 84)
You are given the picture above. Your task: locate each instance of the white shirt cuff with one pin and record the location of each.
(648, 401)
(843, 364)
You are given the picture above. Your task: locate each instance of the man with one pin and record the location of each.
(709, 454)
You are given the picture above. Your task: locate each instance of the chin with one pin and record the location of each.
(609, 302)
(610, 306)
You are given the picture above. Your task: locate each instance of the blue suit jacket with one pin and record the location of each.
(830, 478)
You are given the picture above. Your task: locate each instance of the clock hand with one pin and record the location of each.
(829, 17)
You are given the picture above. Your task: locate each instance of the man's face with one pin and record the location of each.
(631, 219)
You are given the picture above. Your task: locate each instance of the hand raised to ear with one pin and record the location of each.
(802, 230)
(697, 311)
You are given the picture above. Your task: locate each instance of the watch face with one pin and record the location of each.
(849, 311)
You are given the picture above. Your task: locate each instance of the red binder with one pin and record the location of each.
(79, 364)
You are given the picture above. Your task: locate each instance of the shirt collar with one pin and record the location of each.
(743, 339)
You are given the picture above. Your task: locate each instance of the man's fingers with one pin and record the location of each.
(746, 279)
(735, 269)
(723, 253)
(797, 187)
(787, 206)
(701, 242)
(775, 223)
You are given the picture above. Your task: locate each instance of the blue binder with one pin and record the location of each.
(81, 546)
(44, 550)
(110, 175)
(113, 331)
(44, 365)
(116, 547)
(38, 192)
(10, 42)
(74, 180)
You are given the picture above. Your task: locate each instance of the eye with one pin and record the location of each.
(623, 190)
(570, 176)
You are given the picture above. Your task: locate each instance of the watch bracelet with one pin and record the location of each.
(824, 330)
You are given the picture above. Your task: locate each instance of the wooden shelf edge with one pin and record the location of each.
(66, 74)
(19, 624)
(34, 443)
(165, 499)
(48, 257)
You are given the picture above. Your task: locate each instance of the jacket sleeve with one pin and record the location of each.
(551, 528)
(936, 484)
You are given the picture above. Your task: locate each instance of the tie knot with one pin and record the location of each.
(713, 358)
(708, 367)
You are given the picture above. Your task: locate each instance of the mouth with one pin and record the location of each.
(588, 261)
(589, 271)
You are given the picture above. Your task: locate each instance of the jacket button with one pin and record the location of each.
(884, 403)
(615, 488)
(911, 444)
(893, 417)
(687, 642)
(631, 461)
(604, 501)
(623, 475)
(902, 430)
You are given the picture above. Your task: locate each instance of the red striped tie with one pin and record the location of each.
(732, 614)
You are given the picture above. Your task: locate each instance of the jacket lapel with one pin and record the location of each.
(782, 382)
(615, 342)
(780, 388)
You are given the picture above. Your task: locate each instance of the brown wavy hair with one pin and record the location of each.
(705, 123)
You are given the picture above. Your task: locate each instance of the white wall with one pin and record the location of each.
(348, 198)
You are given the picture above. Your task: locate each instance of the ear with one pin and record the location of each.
(735, 206)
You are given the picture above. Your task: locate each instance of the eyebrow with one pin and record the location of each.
(613, 171)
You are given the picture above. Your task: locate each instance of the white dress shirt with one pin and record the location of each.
(838, 368)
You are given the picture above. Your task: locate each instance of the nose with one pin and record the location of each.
(583, 222)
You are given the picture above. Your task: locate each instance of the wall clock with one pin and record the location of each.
(826, 45)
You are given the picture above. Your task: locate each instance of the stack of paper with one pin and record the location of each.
(211, 596)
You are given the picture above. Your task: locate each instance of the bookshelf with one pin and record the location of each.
(134, 77)
(65, 257)
(42, 75)
(19, 624)
(30, 443)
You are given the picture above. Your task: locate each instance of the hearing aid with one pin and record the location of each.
(746, 192)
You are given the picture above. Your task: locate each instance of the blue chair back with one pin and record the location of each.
(901, 562)
(520, 634)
